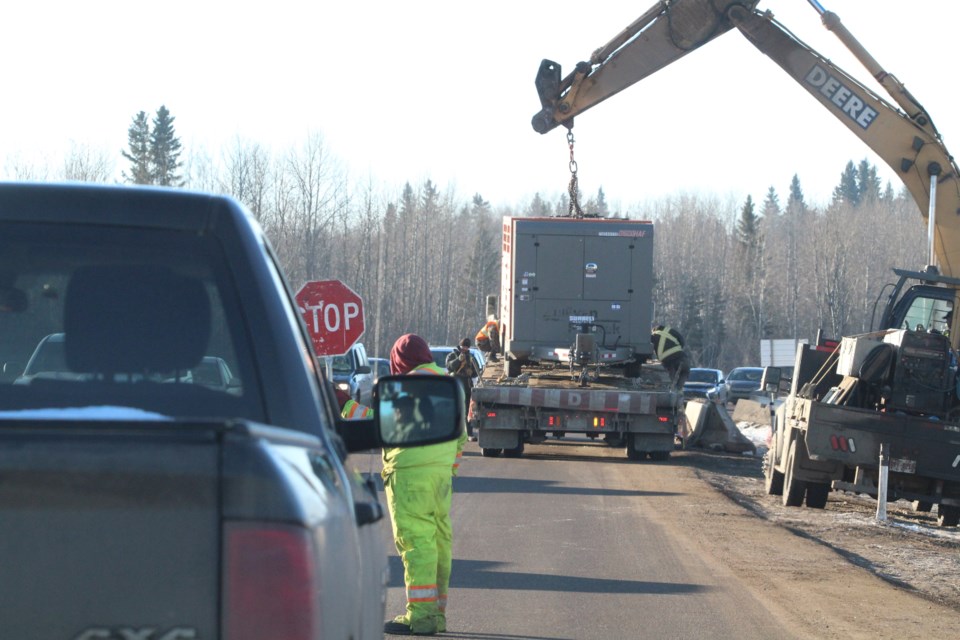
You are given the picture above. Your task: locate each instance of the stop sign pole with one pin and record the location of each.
(333, 313)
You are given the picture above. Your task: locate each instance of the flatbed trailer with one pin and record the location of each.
(637, 413)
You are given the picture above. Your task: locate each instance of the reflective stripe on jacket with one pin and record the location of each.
(663, 350)
(353, 409)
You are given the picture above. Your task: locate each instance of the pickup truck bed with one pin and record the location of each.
(139, 497)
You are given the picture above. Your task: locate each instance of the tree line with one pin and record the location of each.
(727, 274)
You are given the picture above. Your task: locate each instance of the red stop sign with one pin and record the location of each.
(333, 313)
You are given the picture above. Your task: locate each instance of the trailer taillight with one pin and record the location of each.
(843, 443)
(663, 418)
(491, 414)
(599, 422)
(270, 583)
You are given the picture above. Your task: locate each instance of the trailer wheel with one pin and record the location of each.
(921, 506)
(633, 454)
(516, 452)
(772, 479)
(614, 440)
(660, 456)
(793, 488)
(817, 493)
(491, 453)
(948, 516)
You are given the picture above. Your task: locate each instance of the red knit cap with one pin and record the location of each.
(409, 351)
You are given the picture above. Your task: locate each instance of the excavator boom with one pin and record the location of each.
(905, 138)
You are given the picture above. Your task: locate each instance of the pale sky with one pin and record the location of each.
(406, 91)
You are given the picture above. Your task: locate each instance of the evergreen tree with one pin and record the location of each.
(748, 226)
(771, 205)
(598, 205)
(848, 191)
(138, 141)
(165, 150)
(868, 182)
(795, 200)
(538, 207)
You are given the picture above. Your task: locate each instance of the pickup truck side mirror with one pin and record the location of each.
(364, 369)
(409, 411)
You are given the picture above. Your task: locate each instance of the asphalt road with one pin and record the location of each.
(568, 542)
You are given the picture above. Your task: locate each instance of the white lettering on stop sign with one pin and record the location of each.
(332, 315)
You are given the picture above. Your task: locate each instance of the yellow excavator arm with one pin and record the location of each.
(904, 137)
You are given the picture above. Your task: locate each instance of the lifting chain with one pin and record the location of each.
(574, 189)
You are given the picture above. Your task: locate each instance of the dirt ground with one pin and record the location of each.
(806, 562)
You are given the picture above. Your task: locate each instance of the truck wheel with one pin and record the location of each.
(614, 440)
(516, 452)
(948, 516)
(632, 453)
(512, 367)
(794, 489)
(491, 453)
(772, 479)
(817, 493)
(631, 369)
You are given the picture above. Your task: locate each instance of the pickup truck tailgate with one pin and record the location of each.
(114, 528)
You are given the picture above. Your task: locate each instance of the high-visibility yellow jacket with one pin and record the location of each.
(431, 456)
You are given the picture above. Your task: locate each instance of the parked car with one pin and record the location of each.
(701, 381)
(352, 373)
(742, 382)
(440, 359)
(380, 367)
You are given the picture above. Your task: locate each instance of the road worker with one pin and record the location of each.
(418, 483)
(488, 338)
(669, 349)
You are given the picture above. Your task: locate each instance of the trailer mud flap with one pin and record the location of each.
(498, 439)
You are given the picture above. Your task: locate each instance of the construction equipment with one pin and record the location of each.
(894, 391)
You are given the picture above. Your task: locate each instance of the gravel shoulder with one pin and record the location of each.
(831, 573)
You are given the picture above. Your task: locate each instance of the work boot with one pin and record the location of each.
(400, 626)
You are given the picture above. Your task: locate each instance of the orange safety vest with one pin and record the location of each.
(353, 409)
(486, 332)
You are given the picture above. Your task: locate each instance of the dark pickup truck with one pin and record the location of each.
(137, 500)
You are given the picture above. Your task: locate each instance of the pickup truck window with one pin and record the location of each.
(145, 319)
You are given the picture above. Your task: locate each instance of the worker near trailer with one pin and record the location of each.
(459, 364)
(669, 349)
(418, 483)
(488, 338)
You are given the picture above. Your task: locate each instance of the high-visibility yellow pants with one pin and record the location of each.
(419, 503)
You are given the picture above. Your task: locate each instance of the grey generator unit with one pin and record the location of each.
(576, 289)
